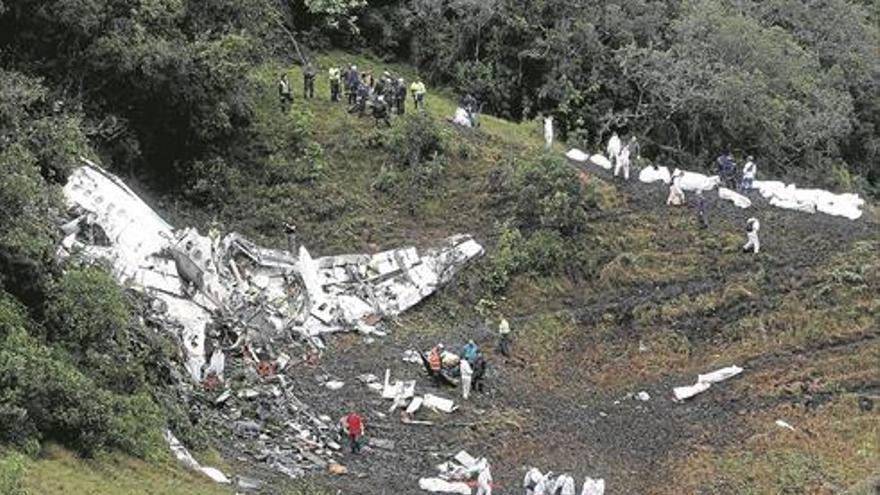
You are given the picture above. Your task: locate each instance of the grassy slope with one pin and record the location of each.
(800, 323)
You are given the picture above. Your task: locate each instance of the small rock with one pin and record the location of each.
(248, 484)
(380, 443)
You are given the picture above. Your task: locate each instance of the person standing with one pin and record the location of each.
(380, 111)
(354, 425)
(400, 97)
(335, 80)
(635, 150)
(622, 164)
(701, 211)
(309, 81)
(418, 91)
(504, 337)
(479, 373)
(753, 243)
(284, 94)
(484, 480)
(676, 194)
(749, 172)
(435, 363)
(467, 374)
(548, 133)
(353, 82)
(613, 149)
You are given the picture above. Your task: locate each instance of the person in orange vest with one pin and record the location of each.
(436, 363)
(354, 426)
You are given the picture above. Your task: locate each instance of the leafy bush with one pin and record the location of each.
(12, 471)
(549, 195)
(416, 141)
(86, 308)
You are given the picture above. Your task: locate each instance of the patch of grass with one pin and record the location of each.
(59, 472)
(649, 267)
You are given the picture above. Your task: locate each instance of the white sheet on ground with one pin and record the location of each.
(650, 174)
(601, 161)
(593, 487)
(439, 403)
(737, 199)
(438, 485)
(692, 181)
(790, 197)
(462, 118)
(577, 155)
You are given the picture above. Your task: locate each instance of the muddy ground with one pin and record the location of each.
(560, 416)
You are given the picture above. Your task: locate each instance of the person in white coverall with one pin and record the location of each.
(753, 244)
(749, 171)
(467, 374)
(622, 163)
(548, 133)
(613, 149)
(484, 481)
(564, 485)
(676, 194)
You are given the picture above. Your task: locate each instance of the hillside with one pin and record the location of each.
(182, 254)
(639, 300)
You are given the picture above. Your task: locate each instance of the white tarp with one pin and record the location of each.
(601, 161)
(438, 485)
(649, 175)
(737, 199)
(790, 197)
(689, 391)
(577, 155)
(693, 181)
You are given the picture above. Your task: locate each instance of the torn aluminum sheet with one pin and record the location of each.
(438, 403)
(783, 424)
(399, 389)
(183, 455)
(686, 392)
(273, 292)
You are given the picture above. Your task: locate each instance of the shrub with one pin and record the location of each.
(549, 195)
(416, 141)
(86, 307)
(12, 471)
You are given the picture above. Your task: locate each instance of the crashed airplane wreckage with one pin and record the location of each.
(200, 281)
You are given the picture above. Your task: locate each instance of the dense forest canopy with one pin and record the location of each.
(794, 82)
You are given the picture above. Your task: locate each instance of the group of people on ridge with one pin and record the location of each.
(621, 155)
(382, 96)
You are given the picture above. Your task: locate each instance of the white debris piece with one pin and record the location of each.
(412, 356)
(465, 459)
(706, 381)
(271, 291)
(414, 405)
(689, 391)
(738, 199)
(462, 118)
(593, 486)
(183, 455)
(217, 364)
(643, 396)
(399, 389)
(438, 485)
(782, 424)
(334, 384)
(439, 403)
(658, 174)
(720, 375)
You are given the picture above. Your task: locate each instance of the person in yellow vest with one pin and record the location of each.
(504, 337)
(335, 76)
(418, 93)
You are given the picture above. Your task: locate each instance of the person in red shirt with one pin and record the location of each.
(354, 425)
(435, 362)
